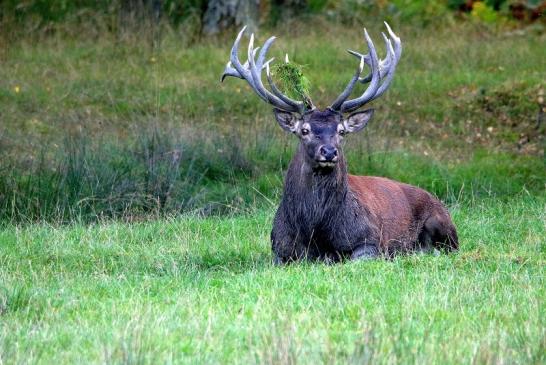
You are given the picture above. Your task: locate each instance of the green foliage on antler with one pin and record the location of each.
(292, 81)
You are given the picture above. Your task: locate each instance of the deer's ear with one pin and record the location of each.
(357, 121)
(288, 121)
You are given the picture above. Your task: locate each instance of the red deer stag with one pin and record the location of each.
(325, 213)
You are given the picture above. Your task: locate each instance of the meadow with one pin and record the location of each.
(204, 290)
(137, 194)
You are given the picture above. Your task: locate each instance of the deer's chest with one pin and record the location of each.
(328, 222)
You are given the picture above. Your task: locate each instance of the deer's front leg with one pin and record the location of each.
(285, 248)
(285, 242)
(282, 240)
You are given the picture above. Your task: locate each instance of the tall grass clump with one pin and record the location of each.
(156, 173)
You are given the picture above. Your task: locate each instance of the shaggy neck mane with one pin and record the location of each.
(312, 195)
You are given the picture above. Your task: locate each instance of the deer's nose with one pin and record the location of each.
(328, 152)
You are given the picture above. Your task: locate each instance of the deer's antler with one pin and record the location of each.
(380, 77)
(251, 71)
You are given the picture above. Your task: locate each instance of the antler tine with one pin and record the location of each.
(230, 71)
(336, 105)
(263, 53)
(396, 40)
(233, 67)
(234, 57)
(387, 65)
(353, 104)
(395, 54)
(383, 64)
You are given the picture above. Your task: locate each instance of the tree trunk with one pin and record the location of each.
(222, 14)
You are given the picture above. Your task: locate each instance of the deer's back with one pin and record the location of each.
(398, 210)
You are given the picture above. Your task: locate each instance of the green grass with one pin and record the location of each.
(192, 290)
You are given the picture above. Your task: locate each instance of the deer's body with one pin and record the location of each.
(329, 215)
(325, 213)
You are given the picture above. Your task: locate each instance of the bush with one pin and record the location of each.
(483, 12)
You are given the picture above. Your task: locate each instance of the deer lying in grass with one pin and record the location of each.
(325, 213)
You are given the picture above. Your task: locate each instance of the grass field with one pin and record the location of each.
(195, 290)
(137, 194)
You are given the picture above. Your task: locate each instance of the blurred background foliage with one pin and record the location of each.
(113, 109)
(211, 16)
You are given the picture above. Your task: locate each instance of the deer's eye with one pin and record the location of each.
(304, 132)
(341, 132)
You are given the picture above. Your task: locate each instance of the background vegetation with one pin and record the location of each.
(137, 191)
(112, 122)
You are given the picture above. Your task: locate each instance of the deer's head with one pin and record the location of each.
(320, 131)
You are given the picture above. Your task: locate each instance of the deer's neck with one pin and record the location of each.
(313, 189)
